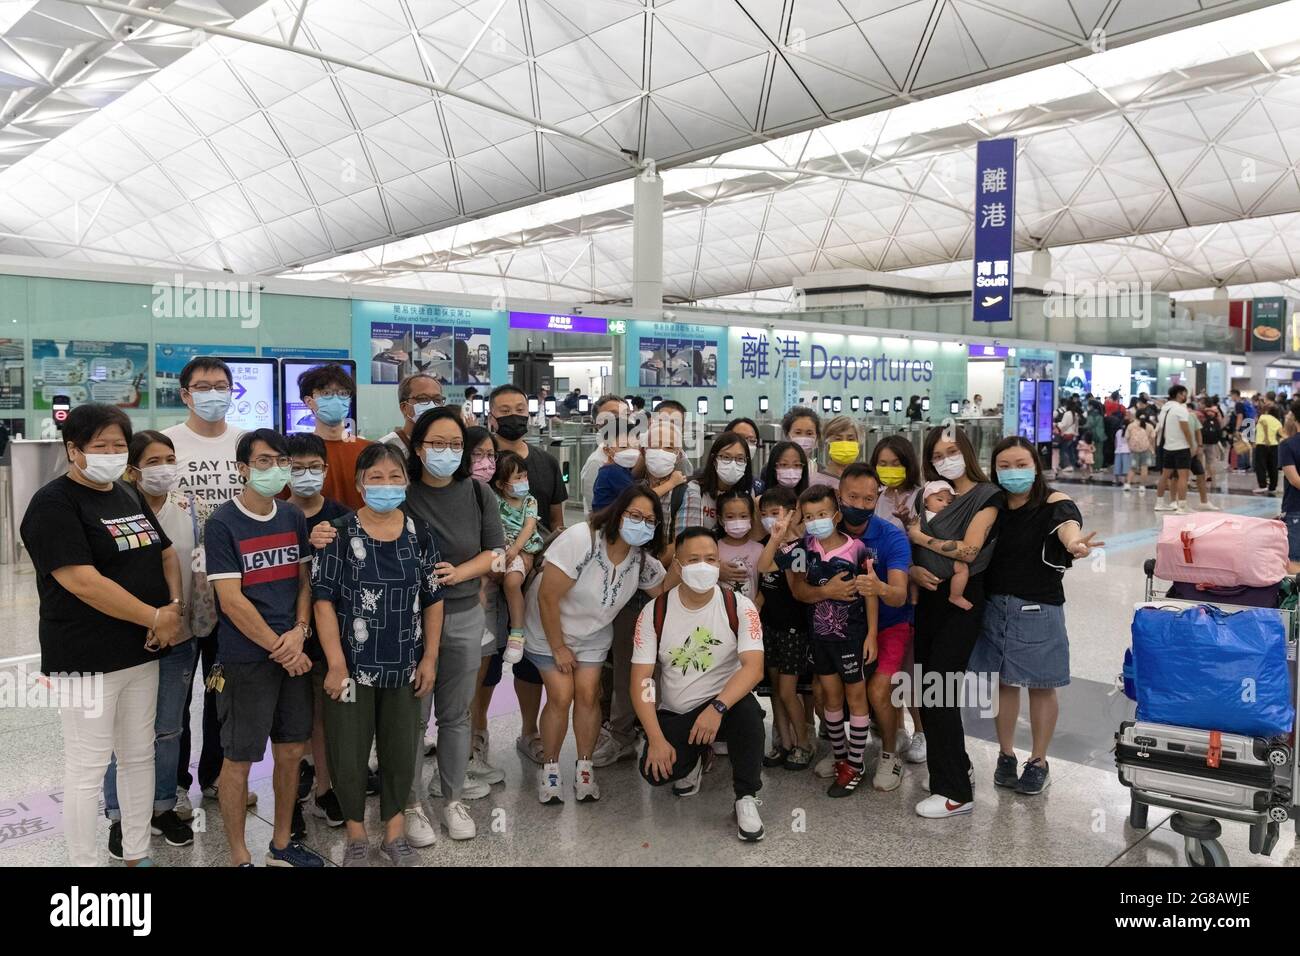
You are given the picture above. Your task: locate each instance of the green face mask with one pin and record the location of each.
(269, 482)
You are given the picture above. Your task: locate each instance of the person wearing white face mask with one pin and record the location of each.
(416, 394)
(945, 634)
(803, 426)
(109, 583)
(207, 476)
(151, 467)
(708, 644)
(589, 573)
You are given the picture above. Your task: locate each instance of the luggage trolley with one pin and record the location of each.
(1207, 777)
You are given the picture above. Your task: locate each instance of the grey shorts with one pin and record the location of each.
(1023, 642)
(259, 702)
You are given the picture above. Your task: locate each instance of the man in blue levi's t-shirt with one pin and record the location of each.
(886, 579)
(257, 557)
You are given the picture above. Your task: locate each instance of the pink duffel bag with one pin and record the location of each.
(1222, 551)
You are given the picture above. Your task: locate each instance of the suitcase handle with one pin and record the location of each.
(1214, 752)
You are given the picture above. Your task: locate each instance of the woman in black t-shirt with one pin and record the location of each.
(109, 584)
(1039, 535)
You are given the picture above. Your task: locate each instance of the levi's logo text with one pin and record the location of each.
(271, 557)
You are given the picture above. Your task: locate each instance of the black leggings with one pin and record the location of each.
(1266, 466)
(945, 637)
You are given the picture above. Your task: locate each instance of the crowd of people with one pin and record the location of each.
(333, 594)
(1178, 438)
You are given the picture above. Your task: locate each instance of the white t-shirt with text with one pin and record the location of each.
(1169, 430)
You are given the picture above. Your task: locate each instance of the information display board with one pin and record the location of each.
(169, 358)
(115, 373)
(254, 393)
(295, 414)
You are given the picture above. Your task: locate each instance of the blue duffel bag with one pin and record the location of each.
(1211, 669)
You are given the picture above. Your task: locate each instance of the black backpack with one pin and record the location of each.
(1211, 430)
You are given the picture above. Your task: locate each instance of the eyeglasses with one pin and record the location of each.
(332, 393)
(737, 460)
(263, 462)
(299, 470)
(435, 400)
(203, 388)
(638, 516)
(483, 456)
(438, 444)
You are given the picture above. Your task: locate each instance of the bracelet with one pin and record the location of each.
(156, 612)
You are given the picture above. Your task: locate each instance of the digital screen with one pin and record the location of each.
(898, 404)
(1046, 406)
(855, 403)
(925, 404)
(533, 405)
(869, 404)
(702, 406)
(954, 408)
(550, 407)
(253, 398)
(584, 405)
(826, 403)
(763, 403)
(297, 417)
(478, 406)
(728, 404)
(837, 404)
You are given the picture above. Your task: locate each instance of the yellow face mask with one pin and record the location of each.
(891, 476)
(843, 452)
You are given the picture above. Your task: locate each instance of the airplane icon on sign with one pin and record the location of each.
(990, 301)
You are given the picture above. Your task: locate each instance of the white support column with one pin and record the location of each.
(648, 240)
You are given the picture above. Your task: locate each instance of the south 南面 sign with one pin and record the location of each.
(995, 230)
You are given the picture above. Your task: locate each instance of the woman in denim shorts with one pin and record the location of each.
(1024, 642)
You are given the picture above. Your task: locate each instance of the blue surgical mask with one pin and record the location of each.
(442, 464)
(820, 527)
(636, 533)
(1016, 480)
(306, 485)
(211, 406)
(384, 498)
(420, 408)
(519, 489)
(853, 517)
(332, 409)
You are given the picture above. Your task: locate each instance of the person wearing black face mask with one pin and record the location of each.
(887, 580)
(507, 408)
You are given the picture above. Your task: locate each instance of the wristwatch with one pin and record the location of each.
(719, 706)
(306, 629)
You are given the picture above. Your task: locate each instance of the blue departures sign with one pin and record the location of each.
(995, 229)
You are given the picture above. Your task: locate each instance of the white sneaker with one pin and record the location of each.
(902, 741)
(1180, 508)
(472, 789)
(479, 769)
(1208, 506)
(1142, 489)
(916, 751)
(889, 772)
(1161, 505)
(1127, 488)
(749, 826)
(419, 831)
(459, 824)
(585, 788)
(548, 784)
(609, 751)
(1259, 491)
(430, 747)
(689, 785)
(530, 747)
(184, 809)
(937, 807)
(514, 652)
(825, 767)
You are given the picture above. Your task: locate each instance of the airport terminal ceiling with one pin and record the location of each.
(199, 139)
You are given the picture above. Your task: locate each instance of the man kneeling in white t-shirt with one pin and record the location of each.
(708, 644)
